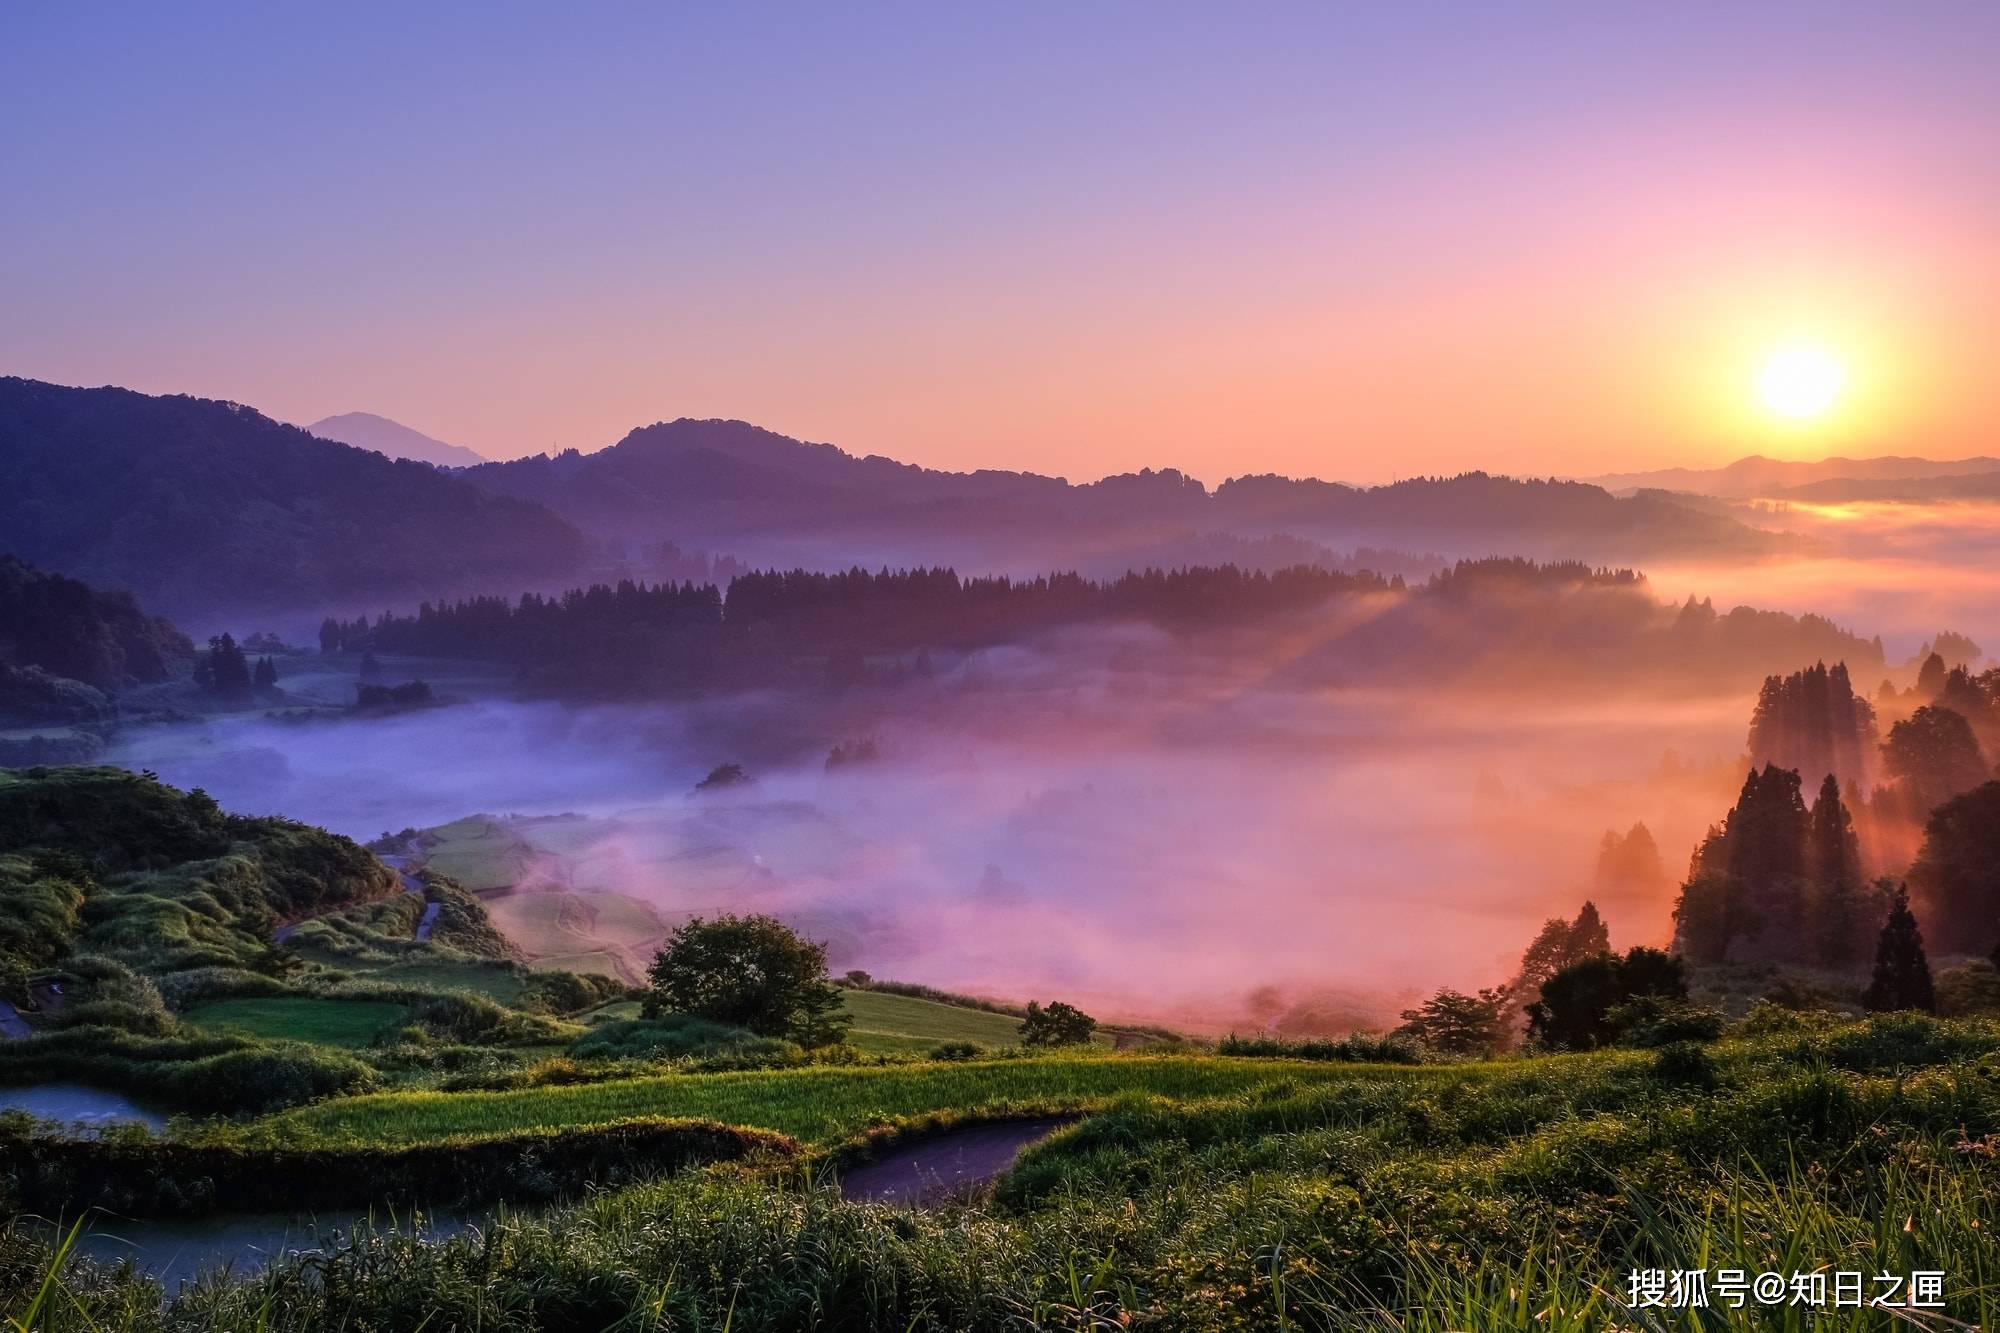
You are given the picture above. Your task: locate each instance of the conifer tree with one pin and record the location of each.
(1838, 930)
(1902, 977)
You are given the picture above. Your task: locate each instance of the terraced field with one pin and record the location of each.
(819, 1104)
(349, 1024)
(891, 1024)
(479, 852)
(606, 933)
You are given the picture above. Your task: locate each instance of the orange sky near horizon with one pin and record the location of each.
(1359, 246)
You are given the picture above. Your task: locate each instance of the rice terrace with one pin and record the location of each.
(999, 669)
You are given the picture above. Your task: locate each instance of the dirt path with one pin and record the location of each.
(13, 1027)
(941, 1167)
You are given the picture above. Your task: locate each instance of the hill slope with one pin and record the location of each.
(70, 629)
(365, 430)
(200, 506)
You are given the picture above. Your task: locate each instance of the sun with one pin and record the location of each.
(1801, 382)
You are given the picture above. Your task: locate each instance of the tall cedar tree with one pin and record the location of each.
(1629, 864)
(223, 669)
(1930, 677)
(1748, 880)
(1837, 931)
(1813, 722)
(1902, 977)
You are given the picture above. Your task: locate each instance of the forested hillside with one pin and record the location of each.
(201, 507)
(67, 628)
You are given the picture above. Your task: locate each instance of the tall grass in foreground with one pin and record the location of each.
(1907, 1219)
(700, 1254)
(1499, 1197)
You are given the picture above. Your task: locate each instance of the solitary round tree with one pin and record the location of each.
(751, 972)
(1058, 1025)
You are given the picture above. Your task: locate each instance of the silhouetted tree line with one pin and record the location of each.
(1483, 576)
(410, 694)
(634, 634)
(1777, 881)
(1813, 722)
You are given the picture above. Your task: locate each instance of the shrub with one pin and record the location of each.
(181, 991)
(1386, 1048)
(271, 1078)
(677, 1036)
(1652, 1021)
(1685, 1062)
(570, 992)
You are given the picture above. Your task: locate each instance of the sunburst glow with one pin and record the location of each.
(1801, 382)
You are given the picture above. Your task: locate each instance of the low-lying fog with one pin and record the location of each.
(1900, 570)
(1097, 818)
(1057, 822)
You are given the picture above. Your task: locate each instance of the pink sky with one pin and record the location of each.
(1359, 246)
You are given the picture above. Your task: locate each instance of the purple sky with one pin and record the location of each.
(1359, 241)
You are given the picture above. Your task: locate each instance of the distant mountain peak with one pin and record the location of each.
(1757, 475)
(366, 430)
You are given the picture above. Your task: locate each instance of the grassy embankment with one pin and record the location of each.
(819, 1104)
(1213, 1194)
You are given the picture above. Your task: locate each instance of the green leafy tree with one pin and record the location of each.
(751, 972)
(1575, 1011)
(1058, 1025)
(1460, 1024)
(1932, 756)
(1956, 877)
(1902, 977)
(1713, 911)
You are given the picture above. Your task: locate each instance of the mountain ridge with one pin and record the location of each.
(1751, 476)
(196, 505)
(732, 482)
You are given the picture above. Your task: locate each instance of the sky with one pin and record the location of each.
(1358, 242)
